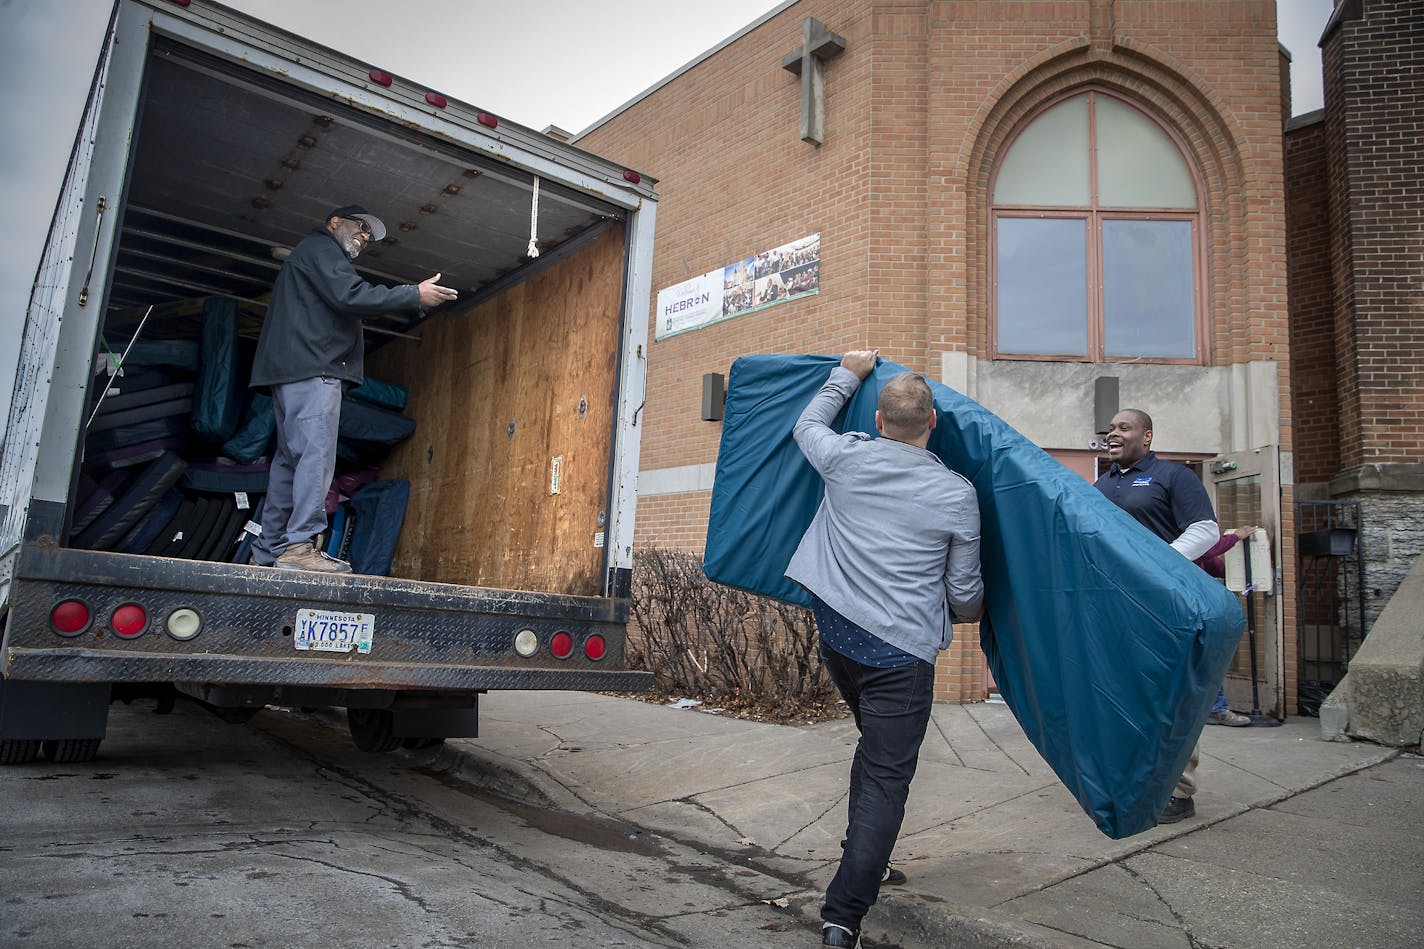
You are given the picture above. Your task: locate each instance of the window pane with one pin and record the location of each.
(1139, 166)
(1048, 165)
(1043, 286)
(1148, 291)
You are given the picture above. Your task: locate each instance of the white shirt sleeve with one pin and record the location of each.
(1197, 539)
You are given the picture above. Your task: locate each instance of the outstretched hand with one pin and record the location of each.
(432, 294)
(860, 361)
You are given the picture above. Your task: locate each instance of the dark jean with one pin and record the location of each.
(892, 710)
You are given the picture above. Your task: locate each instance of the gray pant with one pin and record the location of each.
(308, 413)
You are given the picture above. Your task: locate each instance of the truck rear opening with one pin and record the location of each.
(485, 488)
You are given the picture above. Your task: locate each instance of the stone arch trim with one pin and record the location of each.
(1183, 102)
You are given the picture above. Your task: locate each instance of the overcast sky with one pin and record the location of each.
(547, 62)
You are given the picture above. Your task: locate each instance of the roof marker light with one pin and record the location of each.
(487, 120)
(632, 176)
(436, 99)
(379, 76)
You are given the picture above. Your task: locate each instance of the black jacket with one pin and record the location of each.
(313, 325)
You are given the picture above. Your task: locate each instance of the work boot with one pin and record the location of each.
(305, 556)
(1225, 716)
(892, 876)
(835, 935)
(1178, 808)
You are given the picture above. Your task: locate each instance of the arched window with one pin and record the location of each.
(1096, 223)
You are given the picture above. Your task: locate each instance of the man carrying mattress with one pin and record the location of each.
(891, 561)
(310, 350)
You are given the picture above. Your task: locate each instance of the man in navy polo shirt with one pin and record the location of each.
(1169, 500)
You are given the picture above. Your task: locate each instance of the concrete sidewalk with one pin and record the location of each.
(1296, 841)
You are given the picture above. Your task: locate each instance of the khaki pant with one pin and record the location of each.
(1187, 783)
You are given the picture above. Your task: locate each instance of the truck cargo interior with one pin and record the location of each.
(478, 452)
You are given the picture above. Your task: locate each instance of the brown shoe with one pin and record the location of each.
(307, 557)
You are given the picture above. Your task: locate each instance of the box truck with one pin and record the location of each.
(505, 424)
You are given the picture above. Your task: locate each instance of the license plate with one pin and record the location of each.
(327, 631)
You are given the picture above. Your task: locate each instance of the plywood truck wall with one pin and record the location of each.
(483, 509)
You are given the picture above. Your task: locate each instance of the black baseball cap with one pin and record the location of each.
(357, 213)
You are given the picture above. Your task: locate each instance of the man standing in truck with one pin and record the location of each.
(891, 561)
(310, 350)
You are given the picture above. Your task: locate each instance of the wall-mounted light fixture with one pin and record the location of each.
(714, 396)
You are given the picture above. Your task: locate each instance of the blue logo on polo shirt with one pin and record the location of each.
(1141, 482)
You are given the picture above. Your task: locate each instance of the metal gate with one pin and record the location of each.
(1330, 606)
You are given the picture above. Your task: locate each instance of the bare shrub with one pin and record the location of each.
(706, 639)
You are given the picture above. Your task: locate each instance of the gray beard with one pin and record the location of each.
(352, 251)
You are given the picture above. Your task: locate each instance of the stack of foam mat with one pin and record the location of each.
(1105, 642)
(176, 458)
(366, 528)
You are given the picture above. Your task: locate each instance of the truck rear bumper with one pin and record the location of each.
(95, 665)
(426, 635)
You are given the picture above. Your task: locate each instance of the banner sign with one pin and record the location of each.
(766, 279)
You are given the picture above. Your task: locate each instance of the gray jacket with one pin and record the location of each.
(313, 325)
(894, 547)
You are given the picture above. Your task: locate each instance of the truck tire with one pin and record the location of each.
(71, 750)
(371, 729)
(19, 750)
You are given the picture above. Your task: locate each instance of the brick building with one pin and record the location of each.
(1057, 207)
(1355, 204)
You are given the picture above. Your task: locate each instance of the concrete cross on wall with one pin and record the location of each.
(818, 44)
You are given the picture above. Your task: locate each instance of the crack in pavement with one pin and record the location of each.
(995, 742)
(1177, 917)
(815, 820)
(947, 743)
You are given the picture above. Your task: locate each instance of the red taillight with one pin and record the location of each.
(181, 3)
(561, 644)
(129, 620)
(69, 617)
(436, 99)
(485, 119)
(377, 75)
(594, 647)
(632, 177)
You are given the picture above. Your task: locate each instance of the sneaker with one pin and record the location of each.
(1178, 808)
(892, 876)
(307, 557)
(833, 934)
(1225, 716)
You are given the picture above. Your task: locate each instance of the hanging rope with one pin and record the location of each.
(534, 223)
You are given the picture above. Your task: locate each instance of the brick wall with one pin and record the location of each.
(1315, 402)
(918, 109)
(1374, 82)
